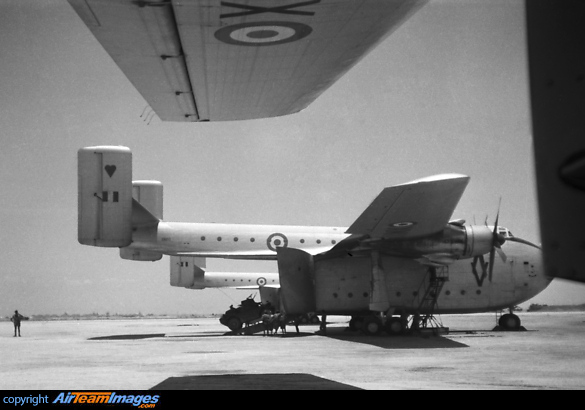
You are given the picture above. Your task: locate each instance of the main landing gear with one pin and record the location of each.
(375, 325)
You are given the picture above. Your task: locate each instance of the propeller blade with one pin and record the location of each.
(524, 241)
(491, 265)
(495, 244)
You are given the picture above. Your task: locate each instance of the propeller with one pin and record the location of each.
(497, 241)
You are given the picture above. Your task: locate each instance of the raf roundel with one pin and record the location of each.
(261, 282)
(267, 33)
(276, 240)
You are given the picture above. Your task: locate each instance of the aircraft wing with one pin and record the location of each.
(415, 209)
(213, 60)
(556, 40)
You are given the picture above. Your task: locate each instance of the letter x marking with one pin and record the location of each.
(250, 10)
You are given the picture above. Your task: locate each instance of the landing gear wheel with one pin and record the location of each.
(356, 323)
(510, 322)
(372, 326)
(395, 326)
(234, 323)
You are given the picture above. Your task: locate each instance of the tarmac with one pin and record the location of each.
(196, 354)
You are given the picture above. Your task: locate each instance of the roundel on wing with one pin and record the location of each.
(261, 282)
(267, 33)
(400, 225)
(276, 240)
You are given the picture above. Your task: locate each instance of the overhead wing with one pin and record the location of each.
(556, 40)
(415, 209)
(213, 60)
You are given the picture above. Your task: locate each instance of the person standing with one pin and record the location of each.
(16, 319)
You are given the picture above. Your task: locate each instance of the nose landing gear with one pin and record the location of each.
(509, 322)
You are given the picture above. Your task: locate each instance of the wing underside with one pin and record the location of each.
(213, 60)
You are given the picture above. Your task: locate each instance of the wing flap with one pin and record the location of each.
(143, 41)
(411, 210)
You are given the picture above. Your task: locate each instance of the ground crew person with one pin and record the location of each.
(16, 319)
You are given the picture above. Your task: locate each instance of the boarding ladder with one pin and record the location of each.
(431, 290)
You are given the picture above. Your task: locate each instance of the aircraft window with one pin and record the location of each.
(219, 238)
(335, 295)
(236, 239)
(333, 241)
(105, 196)
(252, 240)
(366, 294)
(463, 292)
(350, 295)
(398, 294)
(302, 241)
(318, 240)
(203, 238)
(448, 293)
(116, 196)
(478, 292)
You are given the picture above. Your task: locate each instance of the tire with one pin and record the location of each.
(510, 322)
(394, 326)
(356, 323)
(234, 323)
(372, 326)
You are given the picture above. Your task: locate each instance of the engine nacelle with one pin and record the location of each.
(105, 196)
(479, 240)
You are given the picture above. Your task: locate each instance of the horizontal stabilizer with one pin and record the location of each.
(141, 217)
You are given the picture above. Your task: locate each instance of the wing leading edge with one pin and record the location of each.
(415, 209)
(213, 60)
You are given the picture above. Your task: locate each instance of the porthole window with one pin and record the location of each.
(252, 240)
(333, 241)
(236, 239)
(350, 295)
(463, 293)
(398, 294)
(219, 238)
(203, 238)
(302, 241)
(318, 240)
(478, 292)
(366, 294)
(448, 293)
(335, 295)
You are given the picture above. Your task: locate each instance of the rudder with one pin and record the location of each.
(105, 196)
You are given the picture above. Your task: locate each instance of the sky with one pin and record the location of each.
(447, 92)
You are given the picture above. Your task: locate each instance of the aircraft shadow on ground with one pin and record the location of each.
(394, 342)
(293, 381)
(193, 336)
(128, 337)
